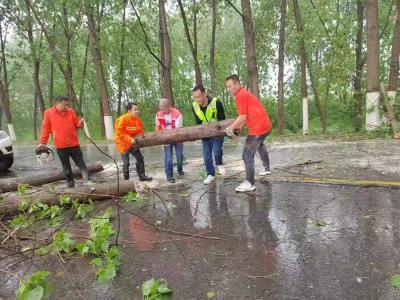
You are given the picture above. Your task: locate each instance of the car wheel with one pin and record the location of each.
(6, 163)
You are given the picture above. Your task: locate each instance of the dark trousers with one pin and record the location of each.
(139, 161)
(252, 145)
(76, 154)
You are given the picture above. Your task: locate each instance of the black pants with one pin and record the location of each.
(76, 154)
(253, 145)
(139, 162)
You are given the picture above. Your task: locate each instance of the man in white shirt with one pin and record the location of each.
(168, 118)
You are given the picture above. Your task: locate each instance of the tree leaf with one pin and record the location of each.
(147, 286)
(395, 281)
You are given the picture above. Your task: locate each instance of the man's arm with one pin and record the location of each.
(46, 129)
(239, 122)
(77, 121)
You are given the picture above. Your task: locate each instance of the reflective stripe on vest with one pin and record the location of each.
(211, 112)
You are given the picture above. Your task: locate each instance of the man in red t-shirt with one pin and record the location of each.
(251, 113)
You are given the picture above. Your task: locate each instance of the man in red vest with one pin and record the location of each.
(62, 123)
(168, 118)
(252, 113)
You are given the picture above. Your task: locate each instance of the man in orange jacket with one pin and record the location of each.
(127, 127)
(62, 123)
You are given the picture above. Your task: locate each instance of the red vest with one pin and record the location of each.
(162, 123)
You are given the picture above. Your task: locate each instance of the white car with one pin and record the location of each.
(6, 151)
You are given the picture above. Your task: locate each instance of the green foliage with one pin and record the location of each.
(130, 197)
(395, 281)
(155, 290)
(63, 242)
(35, 288)
(22, 189)
(22, 221)
(82, 209)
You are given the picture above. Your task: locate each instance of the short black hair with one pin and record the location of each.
(129, 105)
(234, 78)
(61, 98)
(199, 87)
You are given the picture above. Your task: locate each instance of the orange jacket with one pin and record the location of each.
(126, 127)
(62, 125)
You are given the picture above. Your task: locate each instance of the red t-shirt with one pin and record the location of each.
(257, 120)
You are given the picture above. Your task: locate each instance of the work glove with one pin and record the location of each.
(229, 132)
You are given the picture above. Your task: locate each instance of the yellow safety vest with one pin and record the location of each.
(211, 112)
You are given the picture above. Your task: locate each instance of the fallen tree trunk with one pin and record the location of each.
(101, 191)
(11, 184)
(183, 134)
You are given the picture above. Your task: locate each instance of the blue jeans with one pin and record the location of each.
(210, 146)
(168, 160)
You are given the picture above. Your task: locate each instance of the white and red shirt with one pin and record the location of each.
(169, 121)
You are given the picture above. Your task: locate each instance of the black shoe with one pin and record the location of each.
(71, 184)
(126, 177)
(171, 179)
(145, 178)
(181, 173)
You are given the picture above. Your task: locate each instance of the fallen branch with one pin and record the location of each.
(47, 176)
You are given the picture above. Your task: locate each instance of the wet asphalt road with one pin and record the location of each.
(285, 241)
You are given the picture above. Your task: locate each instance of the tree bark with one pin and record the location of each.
(372, 120)
(6, 95)
(121, 77)
(165, 53)
(35, 59)
(300, 29)
(281, 64)
(51, 83)
(303, 66)
(183, 134)
(390, 114)
(192, 45)
(250, 46)
(97, 62)
(44, 177)
(394, 60)
(211, 68)
(359, 66)
(35, 116)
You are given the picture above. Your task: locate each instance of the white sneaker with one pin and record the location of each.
(245, 186)
(265, 172)
(209, 179)
(221, 170)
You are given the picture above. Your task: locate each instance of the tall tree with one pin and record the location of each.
(250, 46)
(35, 58)
(4, 90)
(98, 66)
(394, 60)
(192, 44)
(300, 29)
(372, 119)
(165, 53)
(121, 76)
(359, 65)
(303, 66)
(211, 65)
(281, 64)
